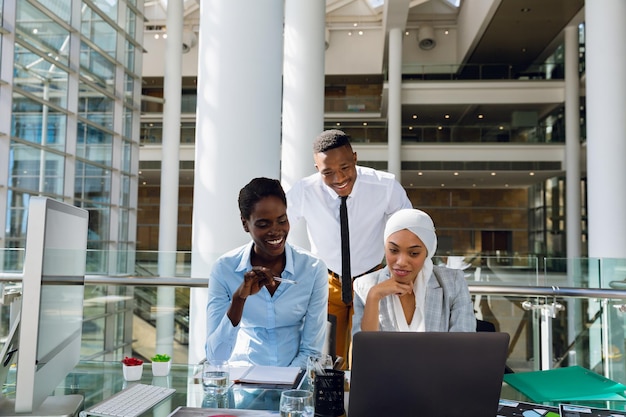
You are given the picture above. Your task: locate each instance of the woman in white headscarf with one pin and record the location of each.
(410, 294)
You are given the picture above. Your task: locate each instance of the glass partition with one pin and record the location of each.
(558, 312)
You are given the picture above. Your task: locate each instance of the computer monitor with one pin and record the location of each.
(48, 337)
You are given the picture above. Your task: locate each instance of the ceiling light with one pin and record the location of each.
(446, 32)
(443, 185)
(35, 31)
(360, 32)
(355, 24)
(420, 173)
(493, 174)
(338, 124)
(349, 33)
(364, 123)
(410, 127)
(531, 174)
(447, 116)
(439, 127)
(406, 33)
(481, 116)
(156, 36)
(165, 36)
(456, 174)
(415, 116)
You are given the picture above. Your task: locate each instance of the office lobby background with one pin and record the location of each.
(506, 126)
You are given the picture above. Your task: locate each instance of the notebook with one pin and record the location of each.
(426, 374)
(571, 383)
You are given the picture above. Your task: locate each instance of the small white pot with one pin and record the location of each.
(161, 368)
(132, 373)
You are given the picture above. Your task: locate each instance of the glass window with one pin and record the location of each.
(38, 76)
(94, 144)
(35, 169)
(92, 183)
(95, 106)
(127, 123)
(38, 123)
(108, 7)
(131, 23)
(36, 29)
(97, 68)
(98, 30)
(62, 9)
(127, 154)
(123, 225)
(125, 194)
(129, 88)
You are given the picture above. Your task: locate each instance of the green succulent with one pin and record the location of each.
(161, 357)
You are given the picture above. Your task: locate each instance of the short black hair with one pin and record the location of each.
(331, 139)
(256, 190)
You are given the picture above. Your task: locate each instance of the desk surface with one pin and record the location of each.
(96, 381)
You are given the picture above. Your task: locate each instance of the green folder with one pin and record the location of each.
(566, 384)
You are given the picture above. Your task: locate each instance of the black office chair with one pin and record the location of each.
(485, 326)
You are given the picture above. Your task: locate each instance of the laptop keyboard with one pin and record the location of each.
(130, 402)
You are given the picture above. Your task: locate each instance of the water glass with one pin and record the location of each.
(215, 377)
(296, 403)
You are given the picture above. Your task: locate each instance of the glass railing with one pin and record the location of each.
(558, 312)
(443, 72)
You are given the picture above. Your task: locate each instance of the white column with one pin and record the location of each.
(572, 178)
(572, 143)
(605, 32)
(394, 113)
(238, 129)
(168, 206)
(303, 94)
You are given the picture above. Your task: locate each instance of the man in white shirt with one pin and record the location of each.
(371, 197)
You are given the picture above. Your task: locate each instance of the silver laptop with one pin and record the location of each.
(426, 374)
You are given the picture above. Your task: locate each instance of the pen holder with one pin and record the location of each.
(329, 390)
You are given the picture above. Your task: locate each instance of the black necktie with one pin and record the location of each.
(346, 275)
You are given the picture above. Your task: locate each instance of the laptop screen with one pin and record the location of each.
(426, 374)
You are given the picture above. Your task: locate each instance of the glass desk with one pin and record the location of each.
(97, 381)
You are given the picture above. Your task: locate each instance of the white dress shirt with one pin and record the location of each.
(375, 196)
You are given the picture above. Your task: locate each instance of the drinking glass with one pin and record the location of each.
(215, 377)
(296, 403)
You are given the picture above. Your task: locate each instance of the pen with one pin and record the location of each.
(285, 280)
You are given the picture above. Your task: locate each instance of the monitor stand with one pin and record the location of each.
(53, 406)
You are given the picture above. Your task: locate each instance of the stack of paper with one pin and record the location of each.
(280, 375)
(572, 383)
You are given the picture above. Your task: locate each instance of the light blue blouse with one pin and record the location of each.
(279, 330)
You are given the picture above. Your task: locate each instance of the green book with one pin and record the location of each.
(565, 384)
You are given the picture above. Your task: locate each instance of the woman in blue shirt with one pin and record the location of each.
(253, 318)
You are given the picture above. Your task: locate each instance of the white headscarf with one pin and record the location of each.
(422, 226)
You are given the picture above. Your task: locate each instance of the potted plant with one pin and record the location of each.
(161, 363)
(132, 368)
